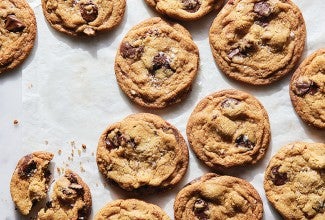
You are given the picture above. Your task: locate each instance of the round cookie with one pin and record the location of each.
(307, 89)
(156, 63)
(229, 128)
(70, 199)
(142, 153)
(185, 10)
(83, 17)
(18, 32)
(218, 197)
(131, 209)
(30, 180)
(258, 42)
(294, 181)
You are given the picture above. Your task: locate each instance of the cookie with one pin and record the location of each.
(156, 63)
(307, 89)
(258, 41)
(218, 197)
(83, 17)
(142, 153)
(70, 199)
(229, 128)
(186, 10)
(294, 181)
(18, 32)
(30, 180)
(131, 209)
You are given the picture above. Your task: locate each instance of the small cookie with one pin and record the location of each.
(142, 152)
(30, 180)
(218, 197)
(229, 128)
(70, 199)
(131, 209)
(156, 63)
(18, 32)
(186, 10)
(294, 181)
(83, 17)
(307, 89)
(258, 41)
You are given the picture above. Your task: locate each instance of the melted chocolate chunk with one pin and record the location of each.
(191, 5)
(200, 209)
(83, 213)
(119, 140)
(233, 53)
(160, 61)
(262, 8)
(243, 141)
(13, 24)
(72, 178)
(305, 87)
(89, 11)
(262, 23)
(278, 178)
(131, 52)
(229, 102)
(28, 167)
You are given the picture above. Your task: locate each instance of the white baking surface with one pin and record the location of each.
(65, 94)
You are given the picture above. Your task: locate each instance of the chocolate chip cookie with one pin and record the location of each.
(218, 197)
(70, 199)
(30, 180)
(294, 181)
(18, 32)
(131, 209)
(83, 17)
(142, 152)
(186, 10)
(229, 128)
(258, 41)
(307, 89)
(156, 63)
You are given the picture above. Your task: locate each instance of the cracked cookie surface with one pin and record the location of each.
(218, 197)
(70, 199)
(307, 89)
(30, 180)
(17, 33)
(142, 152)
(229, 128)
(83, 17)
(131, 209)
(258, 41)
(294, 181)
(156, 63)
(185, 9)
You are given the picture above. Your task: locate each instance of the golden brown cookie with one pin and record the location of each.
(142, 152)
(156, 63)
(83, 17)
(229, 128)
(131, 209)
(294, 181)
(307, 89)
(258, 41)
(30, 180)
(18, 32)
(218, 197)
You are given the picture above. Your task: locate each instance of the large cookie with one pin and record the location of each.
(186, 10)
(18, 32)
(142, 152)
(218, 197)
(131, 209)
(307, 89)
(30, 180)
(294, 181)
(83, 17)
(258, 41)
(156, 63)
(229, 128)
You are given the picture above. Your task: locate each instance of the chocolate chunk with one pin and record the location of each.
(160, 61)
(304, 87)
(278, 178)
(129, 51)
(83, 213)
(191, 5)
(13, 24)
(320, 207)
(229, 102)
(233, 53)
(262, 8)
(89, 11)
(119, 140)
(262, 23)
(243, 141)
(28, 167)
(72, 178)
(200, 209)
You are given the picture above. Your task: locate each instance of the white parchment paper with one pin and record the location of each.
(70, 95)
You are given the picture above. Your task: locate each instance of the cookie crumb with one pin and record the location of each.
(59, 151)
(79, 152)
(58, 170)
(84, 146)
(92, 154)
(16, 122)
(82, 169)
(46, 142)
(73, 144)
